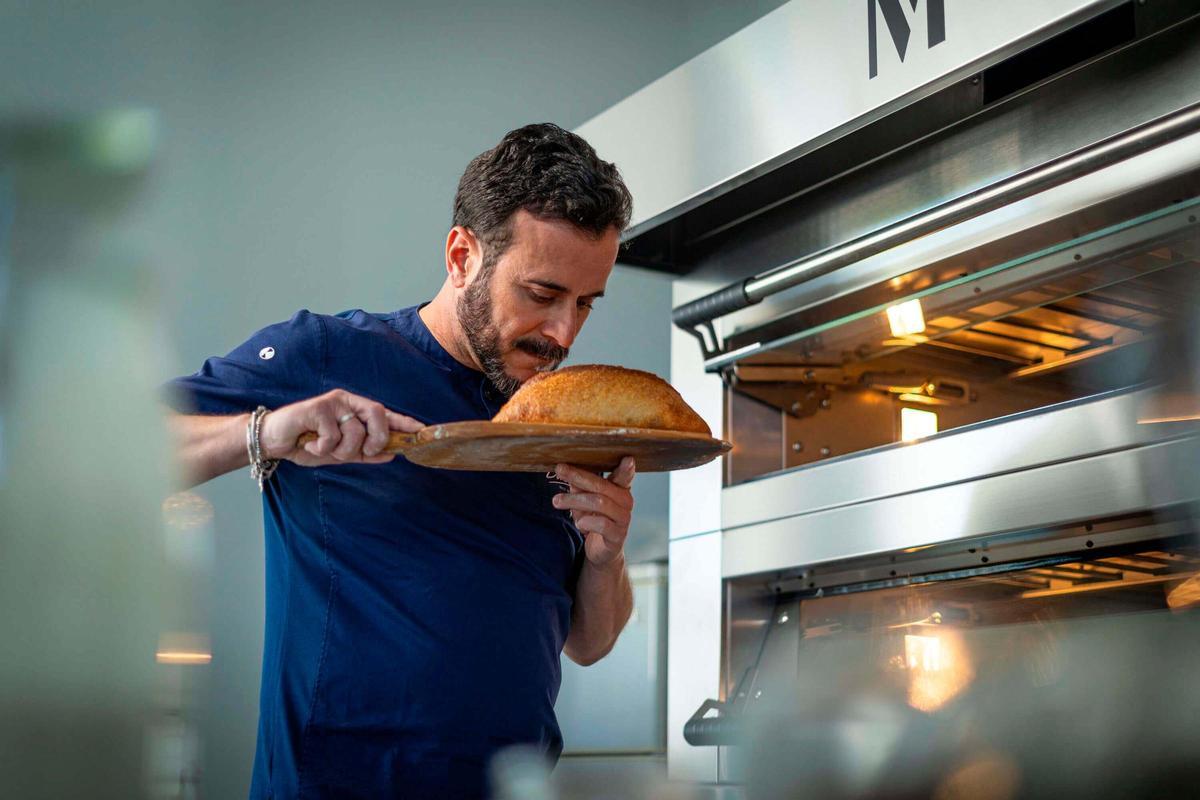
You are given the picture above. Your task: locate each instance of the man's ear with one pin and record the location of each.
(464, 254)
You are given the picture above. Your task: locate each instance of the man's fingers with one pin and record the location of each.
(348, 427)
(375, 418)
(612, 533)
(399, 422)
(623, 475)
(582, 480)
(328, 435)
(350, 447)
(593, 503)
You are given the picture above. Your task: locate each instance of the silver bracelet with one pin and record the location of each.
(261, 469)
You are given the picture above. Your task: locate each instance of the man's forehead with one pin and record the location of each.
(558, 256)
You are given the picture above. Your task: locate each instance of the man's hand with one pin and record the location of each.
(603, 598)
(601, 508)
(349, 428)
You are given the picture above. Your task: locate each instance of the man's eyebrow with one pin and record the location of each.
(554, 287)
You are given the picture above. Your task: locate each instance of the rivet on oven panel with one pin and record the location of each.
(825, 451)
(825, 403)
(1089, 543)
(1078, 257)
(984, 559)
(797, 447)
(978, 290)
(1192, 218)
(1088, 527)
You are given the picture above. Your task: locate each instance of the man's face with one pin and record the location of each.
(521, 316)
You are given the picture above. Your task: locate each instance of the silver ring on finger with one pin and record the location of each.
(344, 418)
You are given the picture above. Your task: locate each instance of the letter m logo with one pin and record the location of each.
(899, 25)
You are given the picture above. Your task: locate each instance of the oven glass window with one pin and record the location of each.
(922, 635)
(938, 349)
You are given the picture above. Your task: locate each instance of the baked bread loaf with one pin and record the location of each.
(595, 394)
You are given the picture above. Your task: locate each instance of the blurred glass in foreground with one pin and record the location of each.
(99, 638)
(1118, 719)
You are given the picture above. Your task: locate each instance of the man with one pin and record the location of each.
(415, 616)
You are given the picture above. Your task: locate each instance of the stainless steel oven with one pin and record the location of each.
(938, 280)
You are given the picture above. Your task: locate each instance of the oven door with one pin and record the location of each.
(1059, 663)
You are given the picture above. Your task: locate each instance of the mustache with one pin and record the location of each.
(543, 349)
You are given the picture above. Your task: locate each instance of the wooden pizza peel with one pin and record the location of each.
(481, 445)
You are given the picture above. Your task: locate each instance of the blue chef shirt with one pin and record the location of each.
(415, 616)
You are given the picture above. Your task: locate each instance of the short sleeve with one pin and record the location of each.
(278, 365)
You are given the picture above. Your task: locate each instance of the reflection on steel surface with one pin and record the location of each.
(183, 648)
(939, 668)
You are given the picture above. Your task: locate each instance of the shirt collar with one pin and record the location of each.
(409, 324)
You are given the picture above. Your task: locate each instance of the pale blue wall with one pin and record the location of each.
(311, 155)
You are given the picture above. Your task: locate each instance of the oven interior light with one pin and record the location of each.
(917, 424)
(906, 318)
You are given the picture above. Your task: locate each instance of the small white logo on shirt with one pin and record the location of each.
(267, 353)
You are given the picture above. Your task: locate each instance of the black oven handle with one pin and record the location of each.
(706, 731)
(725, 727)
(700, 313)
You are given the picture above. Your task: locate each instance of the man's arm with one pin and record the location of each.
(349, 429)
(206, 447)
(602, 510)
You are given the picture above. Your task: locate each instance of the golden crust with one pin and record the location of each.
(596, 394)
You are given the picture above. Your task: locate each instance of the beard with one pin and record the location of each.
(475, 315)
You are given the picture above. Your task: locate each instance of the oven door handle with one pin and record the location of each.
(725, 728)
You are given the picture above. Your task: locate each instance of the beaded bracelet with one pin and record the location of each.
(261, 469)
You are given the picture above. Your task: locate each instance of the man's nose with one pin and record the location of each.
(562, 326)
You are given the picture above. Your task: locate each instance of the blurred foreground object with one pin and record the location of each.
(1118, 720)
(86, 710)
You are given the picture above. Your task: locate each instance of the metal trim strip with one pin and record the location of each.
(1136, 479)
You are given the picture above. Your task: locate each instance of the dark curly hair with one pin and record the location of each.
(551, 173)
